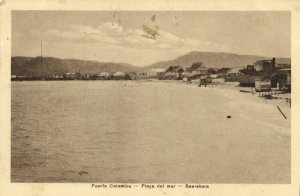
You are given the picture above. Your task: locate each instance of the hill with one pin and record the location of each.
(30, 66)
(214, 60)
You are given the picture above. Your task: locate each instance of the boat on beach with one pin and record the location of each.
(259, 71)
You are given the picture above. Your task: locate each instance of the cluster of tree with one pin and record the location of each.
(75, 76)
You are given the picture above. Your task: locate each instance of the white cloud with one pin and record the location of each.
(192, 42)
(84, 29)
(169, 37)
(122, 42)
(102, 34)
(113, 33)
(112, 27)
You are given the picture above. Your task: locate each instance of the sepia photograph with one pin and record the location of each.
(135, 96)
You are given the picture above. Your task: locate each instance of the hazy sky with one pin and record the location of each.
(119, 36)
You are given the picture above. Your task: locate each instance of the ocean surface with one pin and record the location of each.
(130, 131)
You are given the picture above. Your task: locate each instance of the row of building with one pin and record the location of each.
(195, 71)
(175, 72)
(260, 70)
(263, 69)
(172, 72)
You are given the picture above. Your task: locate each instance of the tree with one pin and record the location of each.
(211, 71)
(196, 65)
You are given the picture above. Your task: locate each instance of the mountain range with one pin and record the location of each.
(215, 60)
(29, 66)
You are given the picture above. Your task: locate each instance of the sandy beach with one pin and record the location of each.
(147, 131)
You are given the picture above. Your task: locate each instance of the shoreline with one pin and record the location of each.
(283, 99)
(234, 88)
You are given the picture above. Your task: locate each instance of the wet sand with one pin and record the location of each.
(117, 131)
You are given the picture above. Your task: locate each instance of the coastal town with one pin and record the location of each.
(262, 74)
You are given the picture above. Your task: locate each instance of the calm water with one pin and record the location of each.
(114, 131)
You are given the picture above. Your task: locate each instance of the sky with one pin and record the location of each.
(123, 36)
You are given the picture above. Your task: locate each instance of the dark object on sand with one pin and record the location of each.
(205, 80)
(229, 116)
(262, 86)
(281, 112)
(82, 172)
(260, 70)
(245, 91)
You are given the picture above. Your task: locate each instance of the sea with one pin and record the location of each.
(138, 132)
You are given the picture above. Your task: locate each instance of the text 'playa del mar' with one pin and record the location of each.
(151, 186)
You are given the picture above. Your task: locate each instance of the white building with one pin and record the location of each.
(104, 74)
(119, 74)
(155, 72)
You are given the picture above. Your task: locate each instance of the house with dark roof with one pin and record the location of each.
(197, 68)
(174, 72)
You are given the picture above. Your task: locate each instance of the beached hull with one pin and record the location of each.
(249, 80)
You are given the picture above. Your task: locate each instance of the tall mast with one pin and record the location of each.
(41, 53)
(42, 60)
